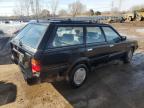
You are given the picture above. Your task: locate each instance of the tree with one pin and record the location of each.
(27, 6)
(91, 12)
(45, 13)
(54, 6)
(97, 13)
(35, 7)
(23, 7)
(76, 8)
(32, 6)
(18, 10)
(62, 12)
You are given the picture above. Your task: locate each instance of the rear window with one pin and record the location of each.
(32, 34)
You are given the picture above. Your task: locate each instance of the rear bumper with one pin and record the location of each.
(27, 73)
(41, 76)
(13, 59)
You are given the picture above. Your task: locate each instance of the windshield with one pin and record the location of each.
(31, 34)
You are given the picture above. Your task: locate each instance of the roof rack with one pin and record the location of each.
(67, 20)
(74, 20)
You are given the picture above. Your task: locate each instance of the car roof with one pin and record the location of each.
(67, 21)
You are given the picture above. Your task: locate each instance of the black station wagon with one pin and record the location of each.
(67, 48)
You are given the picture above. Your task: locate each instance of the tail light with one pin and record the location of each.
(36, 66)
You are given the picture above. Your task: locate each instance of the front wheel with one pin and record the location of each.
(128, 56)
(78, 75)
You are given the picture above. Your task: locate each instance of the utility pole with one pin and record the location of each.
(37, 9)
(120, 4)
(75, 10)
(112, 6)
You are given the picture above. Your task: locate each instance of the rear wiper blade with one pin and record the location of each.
(20, 43)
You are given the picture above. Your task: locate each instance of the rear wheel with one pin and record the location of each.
(128, 56)
(78, 75)
(33, 81)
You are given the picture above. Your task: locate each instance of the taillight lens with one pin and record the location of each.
(36, 66)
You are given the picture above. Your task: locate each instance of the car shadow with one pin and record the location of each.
(1, 32)
(95, 92)
(8, 92)
(92, 89)
(5, 60)
(5, 50)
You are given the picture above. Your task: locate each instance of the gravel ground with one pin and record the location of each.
(112, 85)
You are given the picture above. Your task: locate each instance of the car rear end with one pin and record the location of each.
(26, 51)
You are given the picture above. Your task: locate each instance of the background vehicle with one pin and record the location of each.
(134, 16)
(68, 48)
(7, 22)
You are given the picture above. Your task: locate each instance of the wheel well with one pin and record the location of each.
(133, 48)
(80, 62)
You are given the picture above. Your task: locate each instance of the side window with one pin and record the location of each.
(66, 36)
(94, 35)
(111, 35)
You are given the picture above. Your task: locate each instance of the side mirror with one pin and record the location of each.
(123, 38)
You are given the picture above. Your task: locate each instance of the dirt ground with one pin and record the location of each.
(133, 30)
(112, 85)
(14, 92)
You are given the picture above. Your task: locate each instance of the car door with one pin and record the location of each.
(65, 45)
(116, 44)
(97, 48)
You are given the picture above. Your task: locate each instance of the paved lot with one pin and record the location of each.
(110, 86)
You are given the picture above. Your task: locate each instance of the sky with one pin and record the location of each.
(7, 6)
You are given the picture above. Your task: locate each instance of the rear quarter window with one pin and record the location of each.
(32, 34)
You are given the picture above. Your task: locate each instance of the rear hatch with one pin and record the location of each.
(25, 45)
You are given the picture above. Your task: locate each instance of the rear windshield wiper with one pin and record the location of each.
(20, 44)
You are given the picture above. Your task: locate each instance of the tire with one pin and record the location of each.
(138, 18)
(129, 19)
(29, 81)
(78, 75)
(33, 81)
(128, 56)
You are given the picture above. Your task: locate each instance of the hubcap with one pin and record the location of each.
(79, 76)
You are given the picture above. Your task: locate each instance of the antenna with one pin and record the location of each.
(120, 4)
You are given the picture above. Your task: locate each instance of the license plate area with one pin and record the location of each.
(21, 57)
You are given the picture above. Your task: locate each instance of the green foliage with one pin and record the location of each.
(97, 13)
(91, 11)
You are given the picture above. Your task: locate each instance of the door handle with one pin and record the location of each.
(111, 45)
(90, 49)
